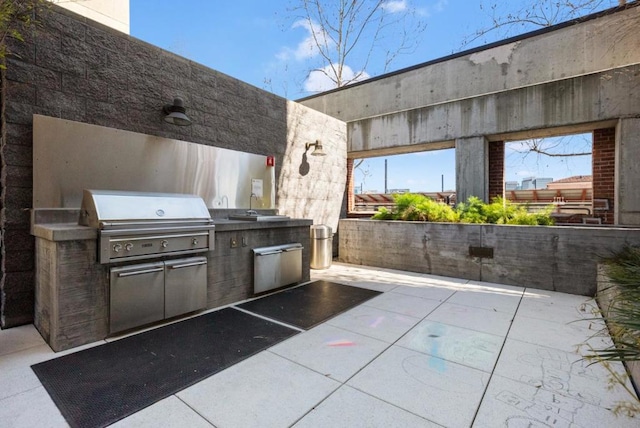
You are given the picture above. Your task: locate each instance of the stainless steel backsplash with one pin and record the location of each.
(71, 156)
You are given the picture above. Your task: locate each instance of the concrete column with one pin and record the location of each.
(627, 195)
(472, 168)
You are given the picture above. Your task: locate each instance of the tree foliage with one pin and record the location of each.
(16, 16)
(507, 19)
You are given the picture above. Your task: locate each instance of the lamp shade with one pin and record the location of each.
(176, 113)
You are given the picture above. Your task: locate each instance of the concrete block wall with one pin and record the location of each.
(73, 68)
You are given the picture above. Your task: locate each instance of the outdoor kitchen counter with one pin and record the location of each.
(63, 232)
(72, 287)
(73, 231)
(224, 225)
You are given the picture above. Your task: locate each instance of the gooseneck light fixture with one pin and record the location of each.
(317, 151)
(175, 113)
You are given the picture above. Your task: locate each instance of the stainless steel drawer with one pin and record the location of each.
(136, 295)
(276, 266)
(185, 286)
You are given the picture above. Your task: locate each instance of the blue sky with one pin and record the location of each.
(258, 42)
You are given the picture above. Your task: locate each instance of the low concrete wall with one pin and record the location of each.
(549, 258)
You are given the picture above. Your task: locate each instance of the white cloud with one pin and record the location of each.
(430, 10)
(318, 81)
(307, 48)
(440, 5)
(394, 6)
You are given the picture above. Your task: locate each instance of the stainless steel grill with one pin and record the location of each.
(139, 226)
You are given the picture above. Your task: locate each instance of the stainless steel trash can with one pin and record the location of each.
(321, 246)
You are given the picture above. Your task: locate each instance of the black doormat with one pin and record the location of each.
(309, 305)
(101, 385)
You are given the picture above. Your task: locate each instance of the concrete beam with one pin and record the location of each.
(583, 100)
(577, 49)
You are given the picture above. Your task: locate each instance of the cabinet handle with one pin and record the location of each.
(139, 272)
(186, 265)
(269, 253)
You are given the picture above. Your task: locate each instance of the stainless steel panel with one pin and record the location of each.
(136, 247)
(71, 156)
(258, 217)
(266, 271)
(136, 296)
(276, 266)
(185, 286)
(291, 266)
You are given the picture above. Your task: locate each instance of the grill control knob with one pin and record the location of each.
(164, 243)
(194, 241)
(117, 248)
(128, 246)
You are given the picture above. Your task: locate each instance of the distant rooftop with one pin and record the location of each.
(574, 179)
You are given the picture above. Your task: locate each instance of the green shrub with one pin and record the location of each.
(472, 211)
(416, 207)
(383, 214)
(623, 321)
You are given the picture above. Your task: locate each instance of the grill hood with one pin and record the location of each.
(110, 208)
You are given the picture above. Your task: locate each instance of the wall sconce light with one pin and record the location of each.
(175, 113)
(317, 151)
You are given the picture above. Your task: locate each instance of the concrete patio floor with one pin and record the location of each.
(429, 351)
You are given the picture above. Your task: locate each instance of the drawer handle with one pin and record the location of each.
(186, 265)
(269, 253)
(139, 272)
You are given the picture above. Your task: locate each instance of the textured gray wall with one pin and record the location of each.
(574, 49)
(73, 68)
(627, 171)
(561, 259)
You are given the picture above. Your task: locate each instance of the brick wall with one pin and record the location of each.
(496, 169)
(603, 161)
(73, 68)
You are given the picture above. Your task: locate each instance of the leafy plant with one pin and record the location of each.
(472, 211)
(383, 214)
(622, 317)
(417, 207)
(623, 313)
(16, 17)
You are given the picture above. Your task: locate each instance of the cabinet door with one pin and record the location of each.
(136, 296)
(266, 271)
(185, 286)
(291, 266)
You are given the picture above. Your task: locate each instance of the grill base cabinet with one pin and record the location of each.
(145, 293)
(73, 291)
